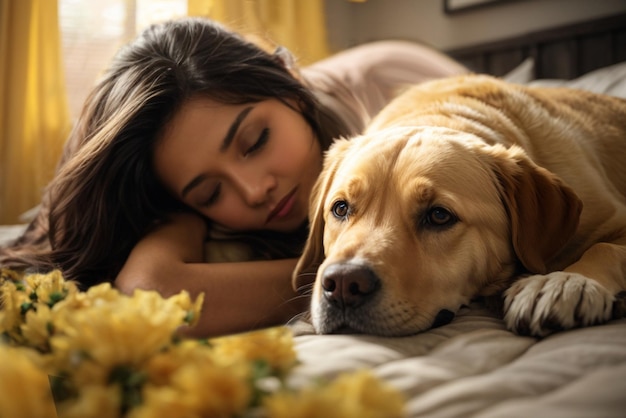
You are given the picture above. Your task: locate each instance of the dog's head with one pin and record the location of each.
(409, 224)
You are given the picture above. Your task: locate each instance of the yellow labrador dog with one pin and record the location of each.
(469, 187)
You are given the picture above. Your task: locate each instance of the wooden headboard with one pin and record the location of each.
(563, 52)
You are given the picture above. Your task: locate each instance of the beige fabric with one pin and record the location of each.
(474, 367)
(359, 81)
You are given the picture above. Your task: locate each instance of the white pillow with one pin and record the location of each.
(523, 73)
(608, 80)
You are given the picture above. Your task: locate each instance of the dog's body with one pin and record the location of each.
(468, 187)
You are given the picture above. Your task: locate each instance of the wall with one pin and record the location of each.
(351, 23)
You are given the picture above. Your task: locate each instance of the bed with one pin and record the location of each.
(564, 52)
(474, 366)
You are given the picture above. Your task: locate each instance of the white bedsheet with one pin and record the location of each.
(474, 367)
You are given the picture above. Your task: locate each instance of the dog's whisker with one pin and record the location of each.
(302, 316)
(308, 273)
(293, 299)
(306, 290)
(297, 297)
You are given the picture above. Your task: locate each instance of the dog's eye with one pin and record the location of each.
(340, 209)
(439, 216)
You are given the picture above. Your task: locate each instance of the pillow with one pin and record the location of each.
(608, 80)
(523, 73)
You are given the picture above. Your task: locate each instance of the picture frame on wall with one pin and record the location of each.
(457, 6)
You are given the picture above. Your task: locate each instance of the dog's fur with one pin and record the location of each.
(468, 187)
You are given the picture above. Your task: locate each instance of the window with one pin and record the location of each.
(93, 30)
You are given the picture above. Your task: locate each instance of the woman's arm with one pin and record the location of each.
(238, 296)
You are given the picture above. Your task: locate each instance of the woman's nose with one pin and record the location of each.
(255, 188)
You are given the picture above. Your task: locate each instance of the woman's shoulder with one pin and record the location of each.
(358, 82)
(388, 58)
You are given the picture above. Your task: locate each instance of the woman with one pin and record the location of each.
(199, 146)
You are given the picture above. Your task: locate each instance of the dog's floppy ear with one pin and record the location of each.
(543, 210)
(313, 253)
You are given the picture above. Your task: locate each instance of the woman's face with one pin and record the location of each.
(246, 167)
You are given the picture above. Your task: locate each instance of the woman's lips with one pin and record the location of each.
(283, 208)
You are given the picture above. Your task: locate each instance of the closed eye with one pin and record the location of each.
(260, 142)
(213, 197)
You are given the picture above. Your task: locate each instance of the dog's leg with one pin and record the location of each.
(582, 294)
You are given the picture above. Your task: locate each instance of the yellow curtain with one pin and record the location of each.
(298, 25)
(34, 118)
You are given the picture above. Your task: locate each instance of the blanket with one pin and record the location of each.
(474, 367)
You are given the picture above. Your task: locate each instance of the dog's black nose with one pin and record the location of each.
(349, 285)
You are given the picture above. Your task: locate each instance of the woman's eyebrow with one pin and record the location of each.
(230, 135)
(228, 139)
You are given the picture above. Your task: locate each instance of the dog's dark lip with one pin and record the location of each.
(444, 317)
(341, 325)
(287, 200)
(346, 330)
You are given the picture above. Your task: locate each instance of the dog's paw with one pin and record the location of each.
(540, 305)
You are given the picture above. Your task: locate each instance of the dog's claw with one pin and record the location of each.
(619, 306)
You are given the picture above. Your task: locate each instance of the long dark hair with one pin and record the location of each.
(105, 195)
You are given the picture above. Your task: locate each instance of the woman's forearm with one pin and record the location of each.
(241, 296)
(238, 296)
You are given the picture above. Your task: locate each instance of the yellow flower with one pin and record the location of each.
(355, 395)
(28, 298)
(214, 390)
(366, 396)
(37, 327)
(14, 302)
(162, 402)
(192, 308)
(119, 331)
(24, 389)
(161, 366)
(93, 402)
(8, 274)
(95, 295)
(306, 404)
(273, 345)
(119, 355)
(187, 378)
(49, 288)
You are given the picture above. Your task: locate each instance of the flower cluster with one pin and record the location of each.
(99, 353)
